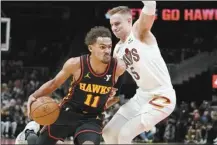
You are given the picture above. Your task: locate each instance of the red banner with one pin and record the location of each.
(196, 14)
(214, 81)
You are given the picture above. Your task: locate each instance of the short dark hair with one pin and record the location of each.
(94, 33)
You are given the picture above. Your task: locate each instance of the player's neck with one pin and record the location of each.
(97, 66)
(124, 38)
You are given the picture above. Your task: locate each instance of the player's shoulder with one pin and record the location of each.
(117, 48)
(148, 37)
(73, 62)
(118, 44)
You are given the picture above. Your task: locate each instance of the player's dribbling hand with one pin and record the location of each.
(29, 103)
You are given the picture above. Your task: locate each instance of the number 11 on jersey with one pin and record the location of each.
(92, 101)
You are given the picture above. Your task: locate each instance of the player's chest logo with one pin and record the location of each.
(87, 75)
(130, 56)
(107, 77)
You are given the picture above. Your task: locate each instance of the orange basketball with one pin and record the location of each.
(45, 111)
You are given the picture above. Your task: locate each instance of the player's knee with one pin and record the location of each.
(88, 142)
(124, 137)
(31, 136)
(31, 139)
(105, 133)
(108, 134)
(124, 134)
(87, 138)
(108, 131)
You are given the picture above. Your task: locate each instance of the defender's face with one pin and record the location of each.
(119, 25)
(102, 49)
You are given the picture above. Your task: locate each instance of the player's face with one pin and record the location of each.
(119, 25)
(102, 49)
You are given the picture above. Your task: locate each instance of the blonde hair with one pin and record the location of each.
(119, 9)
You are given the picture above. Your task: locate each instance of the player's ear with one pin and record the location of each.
(90, 48)
(129, 19)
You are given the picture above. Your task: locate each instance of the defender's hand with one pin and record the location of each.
(111, 101)
(113, 92)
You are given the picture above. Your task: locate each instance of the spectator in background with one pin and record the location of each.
(190, 137)
(5, 94)
(193, 106)
(198, 136)
(203, 134)
(205, 118)
(211, 134)
(170, 130)
(13, 91)
(196, 115)
(9, 121)
(204, 106)
(182, 121)
(214, 122)
(17, 90)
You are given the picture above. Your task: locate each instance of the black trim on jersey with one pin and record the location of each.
(82, 69)
(114, 71)
(113, 77)
(67, 98)
(92, 71)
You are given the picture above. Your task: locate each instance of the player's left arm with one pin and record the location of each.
(142, 27)
(120, 69)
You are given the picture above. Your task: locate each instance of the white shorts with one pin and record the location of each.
(153, 107)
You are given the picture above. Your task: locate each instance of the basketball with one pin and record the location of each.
(45, 111)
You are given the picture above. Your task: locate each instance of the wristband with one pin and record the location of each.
(149, 7)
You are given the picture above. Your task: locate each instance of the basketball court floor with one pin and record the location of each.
(12, 141)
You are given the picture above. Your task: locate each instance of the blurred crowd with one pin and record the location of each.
(189, 123)
(17, 83)
(192, 46)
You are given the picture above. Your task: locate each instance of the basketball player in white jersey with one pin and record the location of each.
(155, 98)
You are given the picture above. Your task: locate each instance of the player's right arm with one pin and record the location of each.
(116, 49)
(67, 70)
(142, 27)
(47, 88)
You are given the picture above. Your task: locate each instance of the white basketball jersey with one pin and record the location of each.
(144, 63)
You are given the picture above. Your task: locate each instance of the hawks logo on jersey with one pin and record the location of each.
(94, 88)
